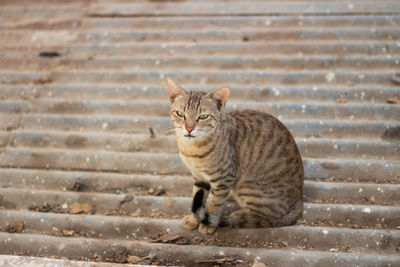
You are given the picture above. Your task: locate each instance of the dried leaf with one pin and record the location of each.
(217, 261)
(45, 208)
(126, 199)
(372, 200)
(159, 191)
(68, 232)
(59, 67)
(79, 186)
(301, 221)
(135, 259)
(175, 239)
(256, 263)
(393, 100)
(76, 208)
(15, 227)
(171, 238)
(43, 80)
(342, 100)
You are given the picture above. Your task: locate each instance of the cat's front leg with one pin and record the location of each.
(220, 190)
(200, 194)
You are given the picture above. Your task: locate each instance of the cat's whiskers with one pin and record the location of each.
(169, 131)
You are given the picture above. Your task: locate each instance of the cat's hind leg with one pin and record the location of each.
(246, 218)
(295, 213)
(249, 218)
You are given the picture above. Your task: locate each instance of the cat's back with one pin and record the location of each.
(262, 141)
(253, 118)
(260, 126)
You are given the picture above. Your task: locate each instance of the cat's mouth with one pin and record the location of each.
(189, 136)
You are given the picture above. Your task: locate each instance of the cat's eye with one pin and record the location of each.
(203, 116)
(180, 114)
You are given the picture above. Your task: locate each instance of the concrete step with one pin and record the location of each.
(255, 49)
(244, 22)
(344, 215)
(82, 126)
(166, 163)
(387, 130)
(202, 77)
(210, 35)
(300, 47)
(41, 261)
(126, 228)
(178, 185)
(176, 254)
(295, 93)
(149, 107)
(42, 14)
(277, 62)
(71, 20)
(239, 8)
(159, 143)
(248, 35)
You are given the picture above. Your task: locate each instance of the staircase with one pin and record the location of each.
(89, 169)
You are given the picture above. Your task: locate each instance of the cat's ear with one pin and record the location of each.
(220, 95)
(174, 89)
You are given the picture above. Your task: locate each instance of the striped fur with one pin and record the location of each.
(248, 155)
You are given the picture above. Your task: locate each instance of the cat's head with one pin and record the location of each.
(195, 114)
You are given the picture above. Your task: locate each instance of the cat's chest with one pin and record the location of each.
(197, 167)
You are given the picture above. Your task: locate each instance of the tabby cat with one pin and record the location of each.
(246, 155)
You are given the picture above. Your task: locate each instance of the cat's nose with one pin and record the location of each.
(189, 129)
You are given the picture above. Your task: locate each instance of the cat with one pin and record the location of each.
(246, 155)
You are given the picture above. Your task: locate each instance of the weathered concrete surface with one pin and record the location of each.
(89, 168)
(16, 261)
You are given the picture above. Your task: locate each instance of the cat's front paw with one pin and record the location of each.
(190, 222)
(207, 229)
